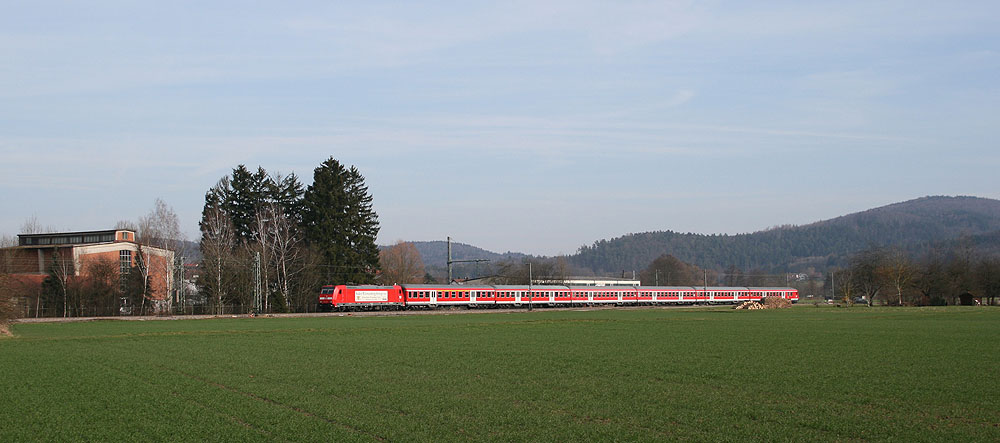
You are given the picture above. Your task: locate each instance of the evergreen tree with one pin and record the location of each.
(287, 192)
(247, 191)
(339, 223)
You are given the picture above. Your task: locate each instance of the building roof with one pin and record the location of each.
(71, 238)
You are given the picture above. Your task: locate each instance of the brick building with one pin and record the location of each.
(35, 254)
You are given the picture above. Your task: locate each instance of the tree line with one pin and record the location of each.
(942, 275)
(268, 243)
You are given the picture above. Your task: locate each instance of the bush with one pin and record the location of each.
(6, 306)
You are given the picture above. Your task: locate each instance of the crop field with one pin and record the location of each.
(920, 374)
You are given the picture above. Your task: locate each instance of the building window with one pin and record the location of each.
(125, 261)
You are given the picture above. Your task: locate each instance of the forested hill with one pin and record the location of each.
(911, 225)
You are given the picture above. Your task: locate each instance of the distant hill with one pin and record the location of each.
(913, 225)
(435, 257)
(435, 253)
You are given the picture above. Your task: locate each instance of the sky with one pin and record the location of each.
(528, 126)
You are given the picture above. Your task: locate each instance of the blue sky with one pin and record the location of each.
(527, 126)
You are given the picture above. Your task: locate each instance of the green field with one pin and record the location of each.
(924, 374)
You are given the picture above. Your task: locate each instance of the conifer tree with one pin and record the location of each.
(247, 191)
(339, 223)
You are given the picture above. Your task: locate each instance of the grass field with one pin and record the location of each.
(921, 374)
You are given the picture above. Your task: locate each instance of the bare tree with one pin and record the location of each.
(61, 271)
(285, 249)
(868, 273)
(143, 263)
(310, 278)
(960, 269)
(560, 270)
(127, 225)
(7, 283)
(7, 254)
(217, 242)
(931, 277)
(846, 284)
(101, 285)
(161, 229)
(401, 263)
(262, 243)
(899, 271)
(7, 303)
(33, 226)
(988, 276)
(669, 270)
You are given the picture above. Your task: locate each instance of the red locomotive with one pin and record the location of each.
(361, 297)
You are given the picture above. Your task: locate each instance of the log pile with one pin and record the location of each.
(749, 305)
(768, 303)
(777, 302)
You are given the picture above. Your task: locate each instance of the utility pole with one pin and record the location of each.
(179, 289)
(833, 285)
(450, 261)
(656, 277)
(256, 280)
(530, 299)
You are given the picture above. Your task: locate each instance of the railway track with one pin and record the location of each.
(439, 311)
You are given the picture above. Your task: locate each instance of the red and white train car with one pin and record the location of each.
(667, 294)
(449, 295)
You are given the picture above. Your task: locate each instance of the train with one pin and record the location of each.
(395, 297)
